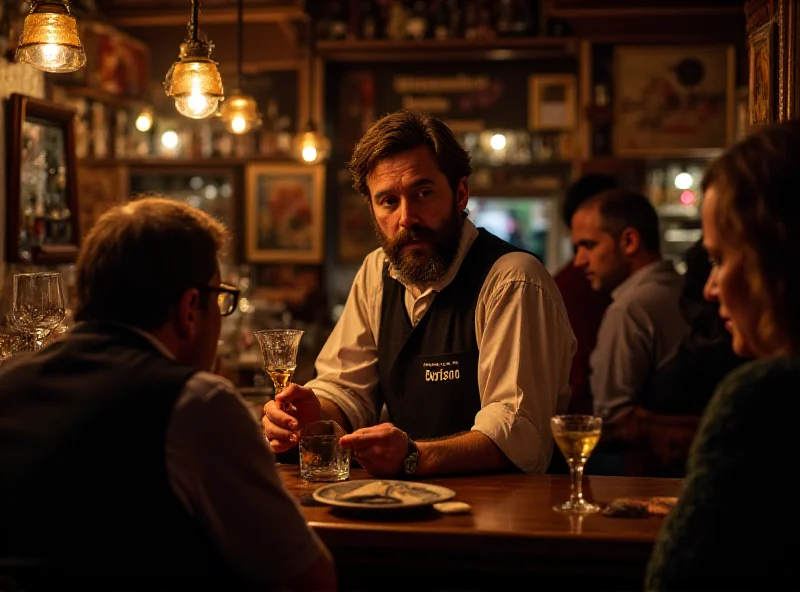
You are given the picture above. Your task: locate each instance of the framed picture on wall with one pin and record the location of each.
(673, 100)
(761, 95)
(284, 213)
(552, 103)
(41, 186)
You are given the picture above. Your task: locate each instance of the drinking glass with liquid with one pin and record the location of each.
(322, 458)
(576, 436)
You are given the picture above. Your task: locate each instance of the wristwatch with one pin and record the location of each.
(411, 462)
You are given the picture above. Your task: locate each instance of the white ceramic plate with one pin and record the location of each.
(382, 494)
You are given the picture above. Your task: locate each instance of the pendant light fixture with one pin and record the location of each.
(311, 146)
(194, 81)
(49, 39)
(240, 111)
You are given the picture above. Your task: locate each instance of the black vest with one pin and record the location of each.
(429, 373)
(84, 490)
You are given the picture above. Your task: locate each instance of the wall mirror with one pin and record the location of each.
(42, 223)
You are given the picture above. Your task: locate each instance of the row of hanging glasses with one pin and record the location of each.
(37, 308)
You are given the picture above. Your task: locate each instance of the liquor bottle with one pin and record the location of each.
(396, 20)
(484, 29)
(471, 20)
(456, 19)
(337, 24)
(370, 25)
(441, 19)
(417, 21)
(505, 14)
(523, 19)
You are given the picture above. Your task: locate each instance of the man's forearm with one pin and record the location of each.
(330, 410)
(469, 452)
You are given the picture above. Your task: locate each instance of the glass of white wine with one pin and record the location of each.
(37, 304)
(576, 437)
(279, 350)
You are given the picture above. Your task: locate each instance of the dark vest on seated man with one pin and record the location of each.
(85, 497)
(429, 372)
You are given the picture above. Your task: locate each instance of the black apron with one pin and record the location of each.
(429, 372)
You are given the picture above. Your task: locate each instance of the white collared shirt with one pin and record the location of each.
(525, 347)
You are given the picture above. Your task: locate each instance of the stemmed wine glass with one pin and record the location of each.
(37, 304)
(576, 437)
(279, 350)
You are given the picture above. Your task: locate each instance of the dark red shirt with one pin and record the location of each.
(585, 308)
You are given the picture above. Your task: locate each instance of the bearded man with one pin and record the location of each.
(462, 337)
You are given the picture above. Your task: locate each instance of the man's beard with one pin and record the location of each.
(419, 267)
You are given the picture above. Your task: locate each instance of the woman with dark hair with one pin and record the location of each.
(727, 530)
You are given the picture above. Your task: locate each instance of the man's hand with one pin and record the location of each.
(380, 449)
(292, 409)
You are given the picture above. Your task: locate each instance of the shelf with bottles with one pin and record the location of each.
(417, 20)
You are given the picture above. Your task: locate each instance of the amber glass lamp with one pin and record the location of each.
(49, 39)
(311, 146)
(240, 111)
(194, 81)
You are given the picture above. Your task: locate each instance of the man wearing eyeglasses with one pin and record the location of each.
(126, 464)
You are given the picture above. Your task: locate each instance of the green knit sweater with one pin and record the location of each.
(737, 523)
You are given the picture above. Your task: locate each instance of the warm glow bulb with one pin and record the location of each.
(239, 124)
(683, 181)
(196, 105)
(309, 153)
(144, 122)
(169, 139)
(498, 142)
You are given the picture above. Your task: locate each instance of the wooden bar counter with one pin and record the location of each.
(512, 535)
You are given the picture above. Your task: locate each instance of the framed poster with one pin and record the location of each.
(284, 213)
(673, 100)
(552, 103)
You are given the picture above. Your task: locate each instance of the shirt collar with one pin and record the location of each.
(468, 235)
(641, 275)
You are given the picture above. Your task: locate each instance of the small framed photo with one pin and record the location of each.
(761, 95)
(552, 102)
(284, 213)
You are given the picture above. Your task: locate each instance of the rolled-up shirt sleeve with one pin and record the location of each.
(347, 366)
(526, 346)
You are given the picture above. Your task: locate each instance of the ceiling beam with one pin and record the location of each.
(130, 19)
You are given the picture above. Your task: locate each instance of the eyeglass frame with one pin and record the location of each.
(223, 289)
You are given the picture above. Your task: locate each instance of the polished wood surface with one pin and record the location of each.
(511, 531)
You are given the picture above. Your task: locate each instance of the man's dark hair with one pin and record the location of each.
(139, 258)
(583, 188)
(403, 131)
(621, 209)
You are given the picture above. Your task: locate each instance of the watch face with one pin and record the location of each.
(411, 463)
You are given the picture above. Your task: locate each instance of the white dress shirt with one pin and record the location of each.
(525, 347)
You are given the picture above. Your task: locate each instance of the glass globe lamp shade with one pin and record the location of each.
(240, 113)
(311, 147)
(195, 84)
(50, 40)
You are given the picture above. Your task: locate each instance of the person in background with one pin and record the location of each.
(126, 464)
(463, 336)
(616, 238)
(584, 305)
(727, 531)
(686, 383)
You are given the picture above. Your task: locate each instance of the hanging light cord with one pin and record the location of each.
(311, 80)
(193, 28)
(240, 42)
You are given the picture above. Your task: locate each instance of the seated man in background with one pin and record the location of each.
(463, 336)
(585, 306)
(685, 384)
(616, 237)
(125, 463)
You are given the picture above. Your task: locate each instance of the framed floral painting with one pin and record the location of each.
(284, 213)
